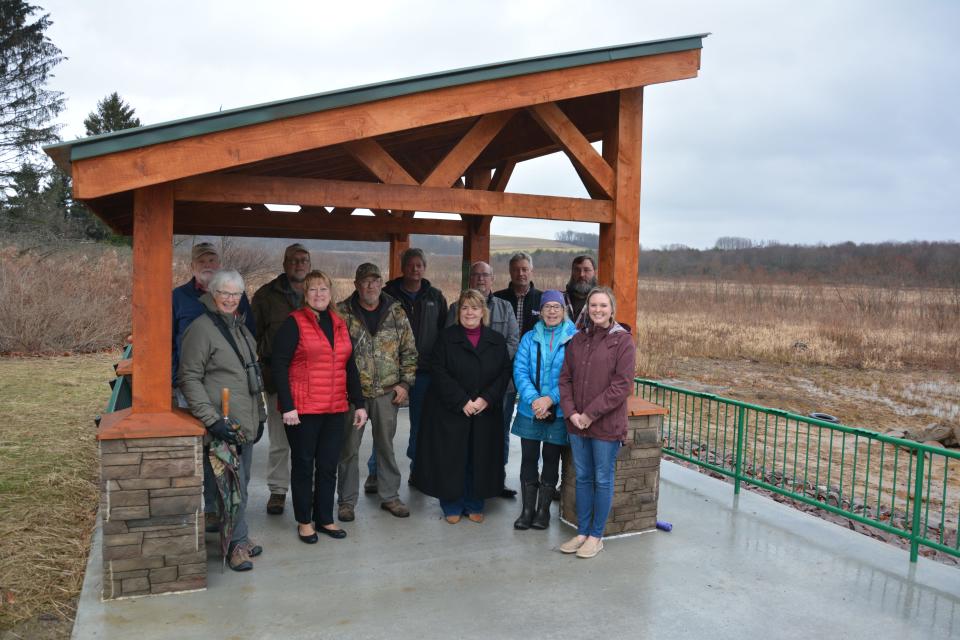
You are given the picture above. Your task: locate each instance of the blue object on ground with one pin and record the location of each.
(664, 526)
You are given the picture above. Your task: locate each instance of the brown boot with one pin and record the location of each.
(239, 559)
(396, 508)
(275, 503)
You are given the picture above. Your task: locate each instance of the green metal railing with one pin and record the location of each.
(898, 486)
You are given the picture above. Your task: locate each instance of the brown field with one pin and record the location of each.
(875, 357)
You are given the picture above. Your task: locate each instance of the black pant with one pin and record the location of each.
(530, 457)
(314, 451)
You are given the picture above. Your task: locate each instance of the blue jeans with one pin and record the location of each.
(417, 394)
(467, 502)
(595, 463)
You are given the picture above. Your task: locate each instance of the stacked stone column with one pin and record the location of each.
(637, 479)
(152, 513)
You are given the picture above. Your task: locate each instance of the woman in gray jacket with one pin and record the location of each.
(211, 361)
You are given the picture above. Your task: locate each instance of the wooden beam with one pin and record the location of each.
(342, 211)
(293, 223)
(476, 245)
(153, 164)
(466, 151)
(501, 176)
(622, 236)
(377, 161)
(151, 301)
(581, 153)
(364, 195)
(398, 244)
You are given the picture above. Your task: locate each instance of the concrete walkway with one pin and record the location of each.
(747, 568)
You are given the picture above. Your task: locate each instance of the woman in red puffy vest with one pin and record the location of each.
(317, 379)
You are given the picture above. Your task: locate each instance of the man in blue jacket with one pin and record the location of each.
(204, 262)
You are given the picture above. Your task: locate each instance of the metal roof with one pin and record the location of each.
(126, 139)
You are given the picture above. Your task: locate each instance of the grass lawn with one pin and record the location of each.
(48, 484)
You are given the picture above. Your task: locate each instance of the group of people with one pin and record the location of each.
(311, 373)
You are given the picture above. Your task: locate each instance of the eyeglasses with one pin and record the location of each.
(299, 260)
(229, 294)
(552, 306)
(485, 276)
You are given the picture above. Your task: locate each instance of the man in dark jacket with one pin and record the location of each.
(272, 303)
(426, 309)
(522, 295)
(204, 262)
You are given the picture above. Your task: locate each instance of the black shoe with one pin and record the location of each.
(507, 492)
(211, 522)
(529, 497)
(541, 520)
(310, 539)
(336, 534)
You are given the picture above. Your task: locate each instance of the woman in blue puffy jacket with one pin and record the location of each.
(539, 421)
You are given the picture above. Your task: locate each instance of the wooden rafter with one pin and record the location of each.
(125, 170)
(501, 176)
(340, 193)
(377, 161)
(581, 153)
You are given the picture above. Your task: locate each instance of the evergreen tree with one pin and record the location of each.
(27, 107)
(111, 114)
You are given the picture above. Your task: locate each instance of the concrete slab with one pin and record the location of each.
(731, 568)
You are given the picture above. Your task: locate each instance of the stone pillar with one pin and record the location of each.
(637, 480)
(152, 513)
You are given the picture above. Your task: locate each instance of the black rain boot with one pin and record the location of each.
(541, 520)
(529, 497)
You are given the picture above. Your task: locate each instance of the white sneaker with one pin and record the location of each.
(590, 548)
(571, 545)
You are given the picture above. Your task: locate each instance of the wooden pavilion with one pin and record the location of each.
(445, 142)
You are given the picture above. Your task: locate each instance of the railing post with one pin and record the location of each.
(738, 461)
(917, 503)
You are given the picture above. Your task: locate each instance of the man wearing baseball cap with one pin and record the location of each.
(272, 303)
(385, 351)
(204, 262)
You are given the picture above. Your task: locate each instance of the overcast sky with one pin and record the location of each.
(810, 122)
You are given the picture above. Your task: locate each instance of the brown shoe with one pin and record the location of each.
(572, 545)
(475, 517)
(590, 548)
(345, 512)
(253, 549)
(370, 486)
(396, 508)
(452, 519)
(275, 503)
(239, 559)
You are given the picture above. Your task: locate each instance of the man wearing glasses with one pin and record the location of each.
(504, 321)
(272, 303)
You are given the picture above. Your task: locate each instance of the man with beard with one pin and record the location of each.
(272, 303)
(583, 278)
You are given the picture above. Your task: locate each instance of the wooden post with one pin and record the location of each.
(399, 242)
(152, 302)
(476, 243)
(620, 240)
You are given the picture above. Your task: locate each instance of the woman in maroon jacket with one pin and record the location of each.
(317, 379)
(595, 381)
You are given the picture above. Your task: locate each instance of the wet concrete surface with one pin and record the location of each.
(732, 567)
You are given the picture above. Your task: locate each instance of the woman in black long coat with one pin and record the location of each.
(460, 445)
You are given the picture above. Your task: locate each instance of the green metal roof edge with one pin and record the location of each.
(256, 114)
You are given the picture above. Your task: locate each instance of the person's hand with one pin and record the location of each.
(359, 418)
(291, 418)
(577, 421)
(221, 430)
(400, 395)
(469, 409)
(585, 421)
(541, 406)
(480, 404)
(259, 432)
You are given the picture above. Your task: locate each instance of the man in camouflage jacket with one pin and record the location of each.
(386, 355)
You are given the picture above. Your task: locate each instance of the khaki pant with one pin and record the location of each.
(278, 457)
(383, 415)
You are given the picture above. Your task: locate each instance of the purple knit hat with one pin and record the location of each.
(551, 295)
